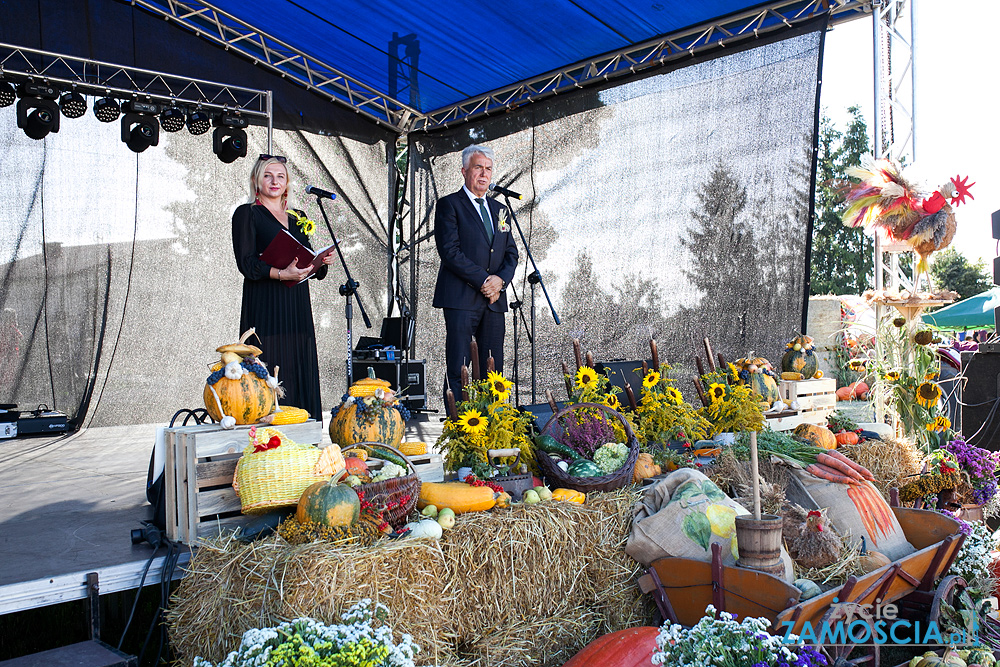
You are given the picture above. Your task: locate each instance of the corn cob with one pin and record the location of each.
(413, 448)
(290, 415)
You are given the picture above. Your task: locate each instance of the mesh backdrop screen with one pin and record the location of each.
(118, 274)
(674, 207)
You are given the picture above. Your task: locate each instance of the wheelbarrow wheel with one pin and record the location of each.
(946, 591)
(849, 653)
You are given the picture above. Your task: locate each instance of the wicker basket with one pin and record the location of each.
(392, 491)
(276, 477)
(616, 480)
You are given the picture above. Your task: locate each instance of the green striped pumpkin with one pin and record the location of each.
(246, 400)
(329, 503)
(346, 430)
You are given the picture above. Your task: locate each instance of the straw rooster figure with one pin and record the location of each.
(886, 201)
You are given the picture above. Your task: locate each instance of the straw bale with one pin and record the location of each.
(529, 585)
(890, 461)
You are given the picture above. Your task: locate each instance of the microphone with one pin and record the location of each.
(313, 190)
(499, 189)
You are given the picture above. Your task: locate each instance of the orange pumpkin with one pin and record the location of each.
(626, 648)
(387, 427)
(246, 400)
(845, 394)
(859, 390)
(644, 467)
(818, 435)
(847, 438)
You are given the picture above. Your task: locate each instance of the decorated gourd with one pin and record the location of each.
(371, 417)
(800, 357)
(756, 372)
(817, 435)
(239, 387)
(329, 503)
(584, 468)
(644, 467)
(569, 495)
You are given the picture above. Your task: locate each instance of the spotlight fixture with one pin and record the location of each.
(172, 119)
(107, 110)
(7, 94)
(37, 111)
(198, 122)
(229, 141)
(140, 131)
(73, 104)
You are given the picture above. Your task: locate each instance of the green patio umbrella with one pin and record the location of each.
(976, 312)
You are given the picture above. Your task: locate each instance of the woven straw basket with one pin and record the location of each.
(277, 477)
(616, 480)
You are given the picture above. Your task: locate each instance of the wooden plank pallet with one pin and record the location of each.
(200, 465)
(817, 400)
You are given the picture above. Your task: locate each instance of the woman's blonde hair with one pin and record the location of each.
(257, 179)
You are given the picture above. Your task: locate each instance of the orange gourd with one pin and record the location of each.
(631, 647)
(818, 435)
(458, 496)
(246, 400)
(859, 390)
(847, 438)
(387, 427)
(644, 467)
(845, 394)
(569, 495)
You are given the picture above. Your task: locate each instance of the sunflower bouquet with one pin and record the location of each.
(663, 415)
(589, 386)
(732, 407)
(906, 381)
(486, 421)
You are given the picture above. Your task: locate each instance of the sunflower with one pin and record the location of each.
(716, 391)
(472, 422)
(651, 379)
(499, 385)
(856, 365)
(611, 400)
(892, 376)
(674, 396)
(586, 377)
(734, 372)
(940, 424)
(928, 394)
(932, 375)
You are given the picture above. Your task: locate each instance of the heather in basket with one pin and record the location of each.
(360, 640)
(486, 421)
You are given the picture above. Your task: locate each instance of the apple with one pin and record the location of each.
(430, 511)
(446, 511)
(543, 492)
(530, 497)
(446, 521)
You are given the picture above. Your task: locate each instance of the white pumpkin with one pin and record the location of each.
(425, 528)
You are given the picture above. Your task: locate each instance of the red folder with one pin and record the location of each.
(285, 248)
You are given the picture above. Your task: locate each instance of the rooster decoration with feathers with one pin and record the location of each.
(887, 202)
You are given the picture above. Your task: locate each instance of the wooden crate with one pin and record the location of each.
(817, 401)
(199, 468)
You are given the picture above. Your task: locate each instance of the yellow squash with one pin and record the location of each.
(458, 496)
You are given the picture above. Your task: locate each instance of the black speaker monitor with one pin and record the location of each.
(397, 332)
(980, 409)
(620, 371)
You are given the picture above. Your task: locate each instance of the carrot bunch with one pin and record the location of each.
(828, 464)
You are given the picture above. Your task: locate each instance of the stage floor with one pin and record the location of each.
(68, 505)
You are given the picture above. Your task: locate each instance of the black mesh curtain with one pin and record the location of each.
(118, 273)
(676, 206)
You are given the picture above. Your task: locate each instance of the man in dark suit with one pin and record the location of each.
(478, 258)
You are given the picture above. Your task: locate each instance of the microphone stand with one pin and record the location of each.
(515, 309)
(348, 290)
(535, 277)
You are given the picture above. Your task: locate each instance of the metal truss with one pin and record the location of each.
(894, 133)
(673, 47)
(93, 77)
(264, 50)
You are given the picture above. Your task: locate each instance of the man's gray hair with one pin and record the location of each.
(472, 150)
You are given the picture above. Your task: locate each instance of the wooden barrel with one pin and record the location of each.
(759, 542)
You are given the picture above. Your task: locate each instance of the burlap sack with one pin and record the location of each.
(682, 516)
(856, 510)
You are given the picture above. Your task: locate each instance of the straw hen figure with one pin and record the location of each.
(817, 544)
(887, 202)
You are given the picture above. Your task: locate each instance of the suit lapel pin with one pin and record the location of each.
(502, 225)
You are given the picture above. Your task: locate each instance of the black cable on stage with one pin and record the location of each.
(138, 592)
(166, 575)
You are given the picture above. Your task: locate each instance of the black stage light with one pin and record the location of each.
(198, 122)
(37, 111)
(172, 119)
(140, 131)
(7, 94)
(107, 110)
(73, 104)
(229, 141)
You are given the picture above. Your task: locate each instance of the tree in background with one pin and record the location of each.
(952, 270)
(842, 256)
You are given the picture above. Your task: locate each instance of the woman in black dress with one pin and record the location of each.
(281, 315)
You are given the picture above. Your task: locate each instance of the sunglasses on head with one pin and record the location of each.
(280, 158)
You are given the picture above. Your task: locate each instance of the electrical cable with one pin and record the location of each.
(138, 592)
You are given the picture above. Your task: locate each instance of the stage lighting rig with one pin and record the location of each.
(172, 119)
(7, 94)
(198, 122)
(37, 111)
(140, 129)
(229, 141)
(106, 110)
(73, 104)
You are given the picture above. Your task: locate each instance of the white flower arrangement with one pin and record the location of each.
(724, 641)
(355, 642)
(973, 560)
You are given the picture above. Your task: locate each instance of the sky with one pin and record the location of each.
(957, 102)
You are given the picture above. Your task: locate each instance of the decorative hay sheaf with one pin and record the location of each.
(530, 585)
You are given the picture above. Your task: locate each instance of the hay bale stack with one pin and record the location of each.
(531, 585)
(892, 462)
